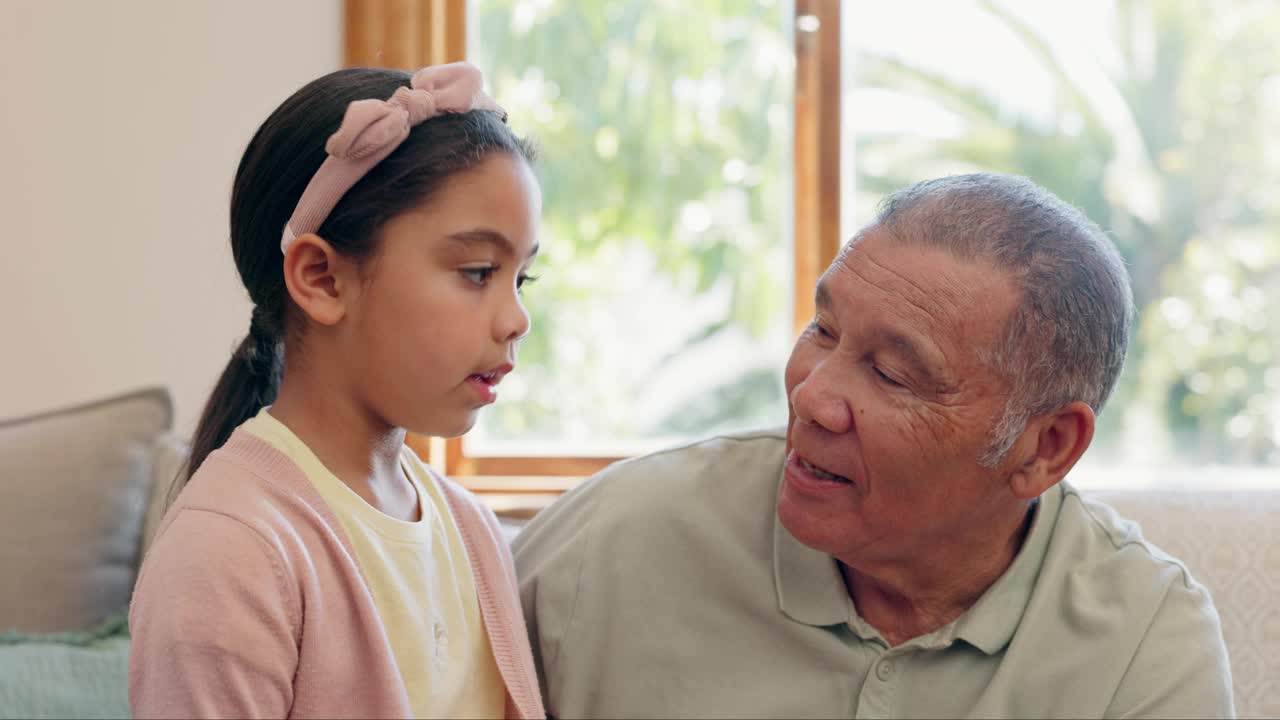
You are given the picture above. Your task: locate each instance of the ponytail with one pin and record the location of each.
(248, 384)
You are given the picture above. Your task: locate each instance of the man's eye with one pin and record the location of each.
(815, 327)
(479, 276)
(886, 378)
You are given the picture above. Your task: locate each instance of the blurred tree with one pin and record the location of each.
(665, 134)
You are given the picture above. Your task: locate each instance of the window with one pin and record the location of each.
(663, 308)
(676, 136)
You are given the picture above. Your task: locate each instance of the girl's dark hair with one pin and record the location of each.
(276, 167)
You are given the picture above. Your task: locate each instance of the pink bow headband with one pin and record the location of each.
(372, 129)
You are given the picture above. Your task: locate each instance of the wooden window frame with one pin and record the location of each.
(409, 34)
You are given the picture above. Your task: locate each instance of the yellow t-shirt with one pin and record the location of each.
(422, 585)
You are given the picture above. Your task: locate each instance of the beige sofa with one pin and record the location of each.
(81, 490)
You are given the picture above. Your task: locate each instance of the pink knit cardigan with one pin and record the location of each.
(250, 602)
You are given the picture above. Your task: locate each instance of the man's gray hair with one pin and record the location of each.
(1066, 339)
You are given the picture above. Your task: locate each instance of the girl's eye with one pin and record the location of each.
(886, 378)
(479, 276)
(525, 279)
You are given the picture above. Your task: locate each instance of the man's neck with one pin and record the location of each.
(906, 601)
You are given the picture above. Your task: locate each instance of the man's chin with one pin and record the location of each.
(805, 522)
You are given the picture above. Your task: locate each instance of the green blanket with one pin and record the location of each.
(66, 675)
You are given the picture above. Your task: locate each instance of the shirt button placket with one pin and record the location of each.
(877, 691)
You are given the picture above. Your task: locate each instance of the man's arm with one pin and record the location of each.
(549, 554)
(1180, 669)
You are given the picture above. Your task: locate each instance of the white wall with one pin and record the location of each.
(122, 124)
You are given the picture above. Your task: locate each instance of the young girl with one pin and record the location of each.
(312, 565)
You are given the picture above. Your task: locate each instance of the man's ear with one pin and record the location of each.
(1057, 440)
(319, 279)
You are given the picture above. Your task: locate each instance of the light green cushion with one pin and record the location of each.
(66, 675)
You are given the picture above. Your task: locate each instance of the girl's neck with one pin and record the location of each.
(360, 449)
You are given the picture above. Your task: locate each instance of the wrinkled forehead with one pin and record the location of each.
(928, 287)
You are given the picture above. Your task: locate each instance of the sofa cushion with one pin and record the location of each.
(74, 490)
(169, 461)
(66, 675)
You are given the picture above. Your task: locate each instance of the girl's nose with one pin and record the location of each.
(513, 320)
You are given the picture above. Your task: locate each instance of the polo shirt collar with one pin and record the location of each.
(989, 625)
(811, 590)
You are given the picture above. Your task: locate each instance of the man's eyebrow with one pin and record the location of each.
(922, 361)
(490, 237)
(821, 295)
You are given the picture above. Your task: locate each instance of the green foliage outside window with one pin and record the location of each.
(665, 129)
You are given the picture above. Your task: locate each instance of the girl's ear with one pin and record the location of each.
(320, 280)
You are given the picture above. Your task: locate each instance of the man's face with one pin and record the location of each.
(887, 391)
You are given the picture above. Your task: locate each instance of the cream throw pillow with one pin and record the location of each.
(75, 486)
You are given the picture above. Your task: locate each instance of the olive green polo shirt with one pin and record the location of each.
(666, 587)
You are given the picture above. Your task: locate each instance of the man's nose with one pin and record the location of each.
(821, 398)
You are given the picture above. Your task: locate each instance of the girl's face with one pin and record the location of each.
(439, 315)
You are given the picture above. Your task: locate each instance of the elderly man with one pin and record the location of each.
(908, 547)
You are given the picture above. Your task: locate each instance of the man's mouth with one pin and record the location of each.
(820, 473)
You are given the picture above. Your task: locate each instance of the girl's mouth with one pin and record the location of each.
(485, 384)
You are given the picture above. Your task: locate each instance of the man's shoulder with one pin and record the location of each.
(729, 479)
(1132, 612)
(692, 480)
(733, 458)
(1104, 560)
(1162, 631)
(1117, 543)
